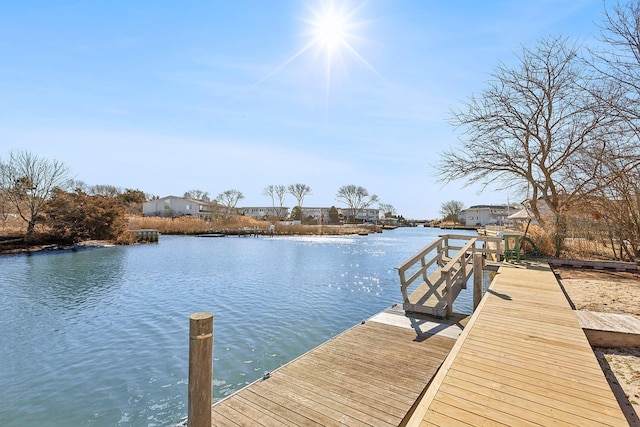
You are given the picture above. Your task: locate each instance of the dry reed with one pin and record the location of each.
(192, 225)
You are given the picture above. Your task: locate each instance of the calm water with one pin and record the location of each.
(100, 337)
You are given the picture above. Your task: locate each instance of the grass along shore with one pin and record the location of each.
(12, 234)
(193, 226)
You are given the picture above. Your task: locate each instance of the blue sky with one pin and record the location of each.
(167, 96)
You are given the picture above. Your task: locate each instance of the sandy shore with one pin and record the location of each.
(610, 292)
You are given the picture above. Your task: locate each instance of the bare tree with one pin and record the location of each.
(356, 198)
(387, 210)
(105, 190)
(276, 192)
(28, 181)
(299, 191)
(78, 185)
(5, 206)
(613, 215)
(616, 207)
(229, 199)
(620, 62)
(451, 210)
(539, 127)
(197, 194)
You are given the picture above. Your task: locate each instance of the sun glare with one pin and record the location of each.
(330, 30)
(333, 30)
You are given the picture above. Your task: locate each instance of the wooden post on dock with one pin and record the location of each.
(200, 369)
(478, 264)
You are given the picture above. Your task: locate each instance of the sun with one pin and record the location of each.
(330, 30)
(333, 32)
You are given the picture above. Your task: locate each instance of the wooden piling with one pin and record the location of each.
(478, 264)
(200, 369)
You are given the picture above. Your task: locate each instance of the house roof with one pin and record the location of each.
(521, 214)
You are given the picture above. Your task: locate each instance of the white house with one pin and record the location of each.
(174, 206)
(481, 215)
(322, 214)
(365, 215)
(317, 214)
(261, 212)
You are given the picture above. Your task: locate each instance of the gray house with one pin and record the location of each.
(174, 206)
(261, 212)
(481, 215)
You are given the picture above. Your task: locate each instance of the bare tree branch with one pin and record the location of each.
(28, 181)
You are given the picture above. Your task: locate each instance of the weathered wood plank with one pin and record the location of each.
(303, 405)
(389, 393)
(338, 400)
(362, 396)
(232, 416)
(285, 415)
(261, 414)
(321, 400)
(369, 375)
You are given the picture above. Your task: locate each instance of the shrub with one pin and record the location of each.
(74, 217)
(542, 240)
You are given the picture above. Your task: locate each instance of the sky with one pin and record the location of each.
(167, 96)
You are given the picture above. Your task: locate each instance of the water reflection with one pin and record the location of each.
(70, 280)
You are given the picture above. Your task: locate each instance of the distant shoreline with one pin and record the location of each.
(17, 246)
(40, 248)
(314, 230)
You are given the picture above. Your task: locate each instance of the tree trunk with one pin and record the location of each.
(560, 234)
(30, 229)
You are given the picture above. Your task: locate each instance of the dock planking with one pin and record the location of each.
(522, 360)
(370, 375)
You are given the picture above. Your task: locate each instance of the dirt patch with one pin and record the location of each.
(601, 290)
(621, 366)
(610, 292)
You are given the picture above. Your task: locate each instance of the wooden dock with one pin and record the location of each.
(432, 278)
(145, 235)
(523, 359)
(370, 375)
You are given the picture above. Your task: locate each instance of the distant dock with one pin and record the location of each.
(146, 235)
